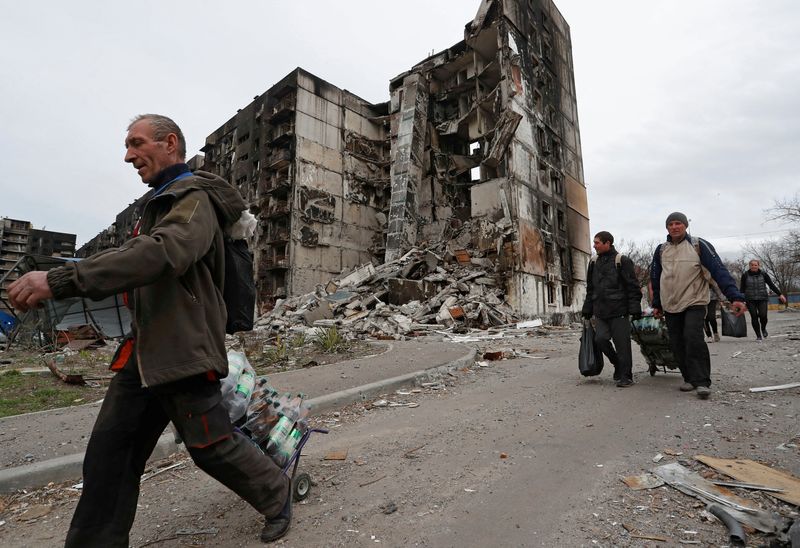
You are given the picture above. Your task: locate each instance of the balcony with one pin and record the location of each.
(283, 109)
(273, 263)
(273, 183)
(275, 210)
(277, 235)
(279, 159)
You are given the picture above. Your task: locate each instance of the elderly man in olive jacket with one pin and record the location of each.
(612, 295)
(169, 369)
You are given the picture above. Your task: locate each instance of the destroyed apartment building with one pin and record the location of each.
(477, 153)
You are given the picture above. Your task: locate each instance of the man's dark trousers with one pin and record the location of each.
(619, 330)
(127, 429)
(686, 341)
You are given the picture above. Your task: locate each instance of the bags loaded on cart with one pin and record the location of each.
(650, 333)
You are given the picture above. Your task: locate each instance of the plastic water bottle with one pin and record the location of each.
(241, 395)
(291, 411)
(287, 449)
(237, 362)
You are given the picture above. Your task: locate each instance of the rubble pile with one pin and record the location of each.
(439, 287)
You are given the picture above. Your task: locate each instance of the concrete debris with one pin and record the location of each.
(449, 286)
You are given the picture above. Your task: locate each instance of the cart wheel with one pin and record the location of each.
(652, 370)
(301, 486)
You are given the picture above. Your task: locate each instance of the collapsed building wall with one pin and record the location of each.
(484, 134)
(312, 162)
(497, 139)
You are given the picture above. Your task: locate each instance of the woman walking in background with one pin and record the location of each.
(754, 286)
(710, 321)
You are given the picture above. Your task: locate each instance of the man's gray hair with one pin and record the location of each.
(163, 126)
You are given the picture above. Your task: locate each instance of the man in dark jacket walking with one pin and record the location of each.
(613, 294)
(169, 370)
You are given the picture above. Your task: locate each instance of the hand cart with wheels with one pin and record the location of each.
(650, 333)
(301, 483)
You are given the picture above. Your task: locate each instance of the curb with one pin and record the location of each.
(56, 470)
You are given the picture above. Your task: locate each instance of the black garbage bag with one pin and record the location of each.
(731, 325)
(590, 359)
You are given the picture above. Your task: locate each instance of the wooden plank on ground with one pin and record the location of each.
(751, 471)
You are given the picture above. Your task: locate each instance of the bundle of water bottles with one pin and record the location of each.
(275, 422)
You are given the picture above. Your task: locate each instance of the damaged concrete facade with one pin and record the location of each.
(487, 130)
(477, 147)
(312, 161)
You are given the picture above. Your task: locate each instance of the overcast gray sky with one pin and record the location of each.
(688, 105)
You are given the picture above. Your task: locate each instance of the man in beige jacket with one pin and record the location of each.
(680, 274)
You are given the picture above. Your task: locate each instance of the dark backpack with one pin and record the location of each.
(239, 292)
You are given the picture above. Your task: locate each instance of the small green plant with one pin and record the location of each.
(279, 352)
(299, 340)
(330, 340)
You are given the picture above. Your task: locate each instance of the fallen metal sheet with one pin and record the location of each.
(643, 481)
(776, 387)
(692, 484)
(754, 472)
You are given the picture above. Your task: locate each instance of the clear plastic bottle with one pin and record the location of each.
(292, 410)
(241, 395)
(287, 449)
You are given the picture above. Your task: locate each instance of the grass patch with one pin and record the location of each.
(330, 340)
(23, 393)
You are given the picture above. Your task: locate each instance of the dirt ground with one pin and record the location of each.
(518, 452)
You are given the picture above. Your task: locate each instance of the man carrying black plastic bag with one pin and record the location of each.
(613, 297)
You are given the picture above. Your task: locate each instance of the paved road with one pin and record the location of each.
(521, 453)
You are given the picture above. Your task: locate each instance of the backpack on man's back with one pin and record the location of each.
(239, 292)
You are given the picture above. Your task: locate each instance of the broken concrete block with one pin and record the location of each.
(403, 322)
(402, 291)
(358, 276)
(321, 312)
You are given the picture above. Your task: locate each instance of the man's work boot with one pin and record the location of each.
(624, 383)
(686, 387)
(716, 337)
(764, 333)
(275, 528)
(703, 392)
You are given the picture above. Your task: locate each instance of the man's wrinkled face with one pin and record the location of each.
(146, 154)
(754, 266)
(677, 230)
(601, 247)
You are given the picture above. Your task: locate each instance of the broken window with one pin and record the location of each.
(551, 293)
(566, 295)
(546, 213)
(543, 171)
(475, 172)
(561, 221)
(548, 252)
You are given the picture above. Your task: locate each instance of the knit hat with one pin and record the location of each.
(678, 216)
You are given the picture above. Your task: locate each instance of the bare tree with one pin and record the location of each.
(641, 253)
(786, 209)
(779, 259)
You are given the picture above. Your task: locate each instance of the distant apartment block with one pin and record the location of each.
(18, 238)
